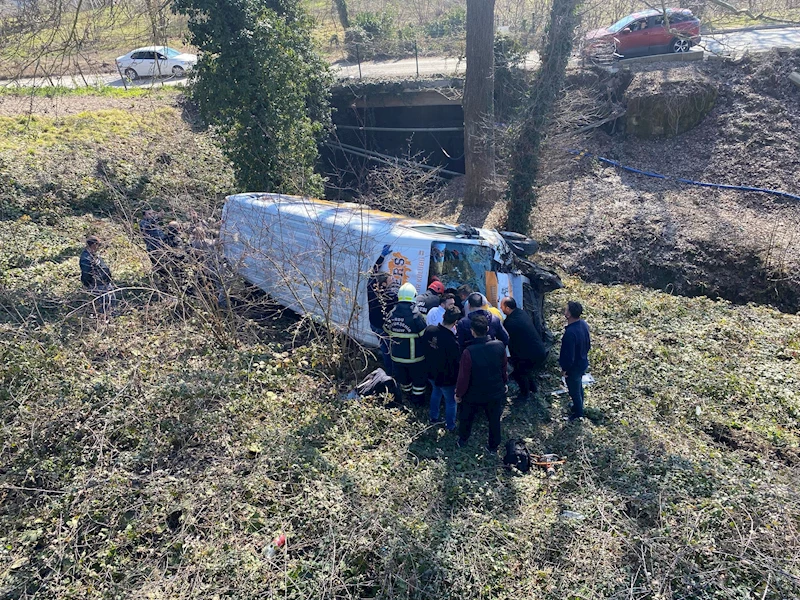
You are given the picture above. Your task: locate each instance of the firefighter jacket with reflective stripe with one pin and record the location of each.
(405, 327)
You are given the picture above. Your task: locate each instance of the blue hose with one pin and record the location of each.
(722, 186)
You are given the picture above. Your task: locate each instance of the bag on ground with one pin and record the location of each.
(517, 455)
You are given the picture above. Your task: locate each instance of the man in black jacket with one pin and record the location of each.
(442, 357)
(430, 298)
(481, 386)
(525, 346)
(95, 274)
(405, 326)
(475, 303)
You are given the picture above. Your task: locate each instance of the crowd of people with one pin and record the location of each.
(449, 339)
(456, 343)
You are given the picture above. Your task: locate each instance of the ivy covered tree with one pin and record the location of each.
(262, 87)
(546, 90)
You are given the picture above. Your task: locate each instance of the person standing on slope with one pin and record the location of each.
(436, 315)
(481, 386)
(475, 304)
(574, 357)
(442, 357)
(525, 347)
(405, 326)
(380, 300)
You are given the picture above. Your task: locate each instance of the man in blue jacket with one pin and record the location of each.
(475, 303)
(574, 358)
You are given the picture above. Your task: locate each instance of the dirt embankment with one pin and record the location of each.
(609, 225)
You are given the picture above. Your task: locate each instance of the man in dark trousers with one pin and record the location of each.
(380, 300)
(430, 298)
(475, 303)
(405, 326)
(525, 346)
(574, 358)
(481, 386)
(154, 237)
(442, 357)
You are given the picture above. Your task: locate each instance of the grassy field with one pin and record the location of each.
(156, 454)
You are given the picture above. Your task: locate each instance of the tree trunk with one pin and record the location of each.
(481, 187)
(547, 88)
(341, 8)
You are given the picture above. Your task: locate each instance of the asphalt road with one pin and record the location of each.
(737, 42)
(729, 44)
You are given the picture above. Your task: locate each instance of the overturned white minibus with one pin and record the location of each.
(315, 257)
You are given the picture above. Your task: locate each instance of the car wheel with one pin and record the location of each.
(131, 74)
(680, 45)
(178, 71)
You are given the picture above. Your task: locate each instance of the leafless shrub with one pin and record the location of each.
(403, 190)
(317, 264)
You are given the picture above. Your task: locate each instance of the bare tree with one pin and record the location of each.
(479, 104)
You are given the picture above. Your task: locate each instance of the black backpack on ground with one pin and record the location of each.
(517, 455)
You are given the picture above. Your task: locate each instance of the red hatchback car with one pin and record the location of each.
(646, 32)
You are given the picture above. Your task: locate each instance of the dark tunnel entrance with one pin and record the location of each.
(422, 127)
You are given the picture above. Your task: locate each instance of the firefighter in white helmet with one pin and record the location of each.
(405, 326)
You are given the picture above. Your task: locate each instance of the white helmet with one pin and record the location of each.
(406, 293)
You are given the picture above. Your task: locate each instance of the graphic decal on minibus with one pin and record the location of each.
(399, 269)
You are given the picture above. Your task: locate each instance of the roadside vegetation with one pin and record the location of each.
(106, 91)
(147, 456)
(44, 39)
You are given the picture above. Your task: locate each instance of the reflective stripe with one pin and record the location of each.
(404, 336)
(408, 361)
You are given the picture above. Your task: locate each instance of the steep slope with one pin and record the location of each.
(613, 226)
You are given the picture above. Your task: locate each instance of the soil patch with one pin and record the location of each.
(64, 105)
(612, 226)
(753, 446)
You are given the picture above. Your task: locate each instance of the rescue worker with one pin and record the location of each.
(405, 326)
(431, 297)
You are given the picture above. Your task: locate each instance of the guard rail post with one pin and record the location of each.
(121, 76)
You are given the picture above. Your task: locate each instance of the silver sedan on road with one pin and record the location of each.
(155, 61)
